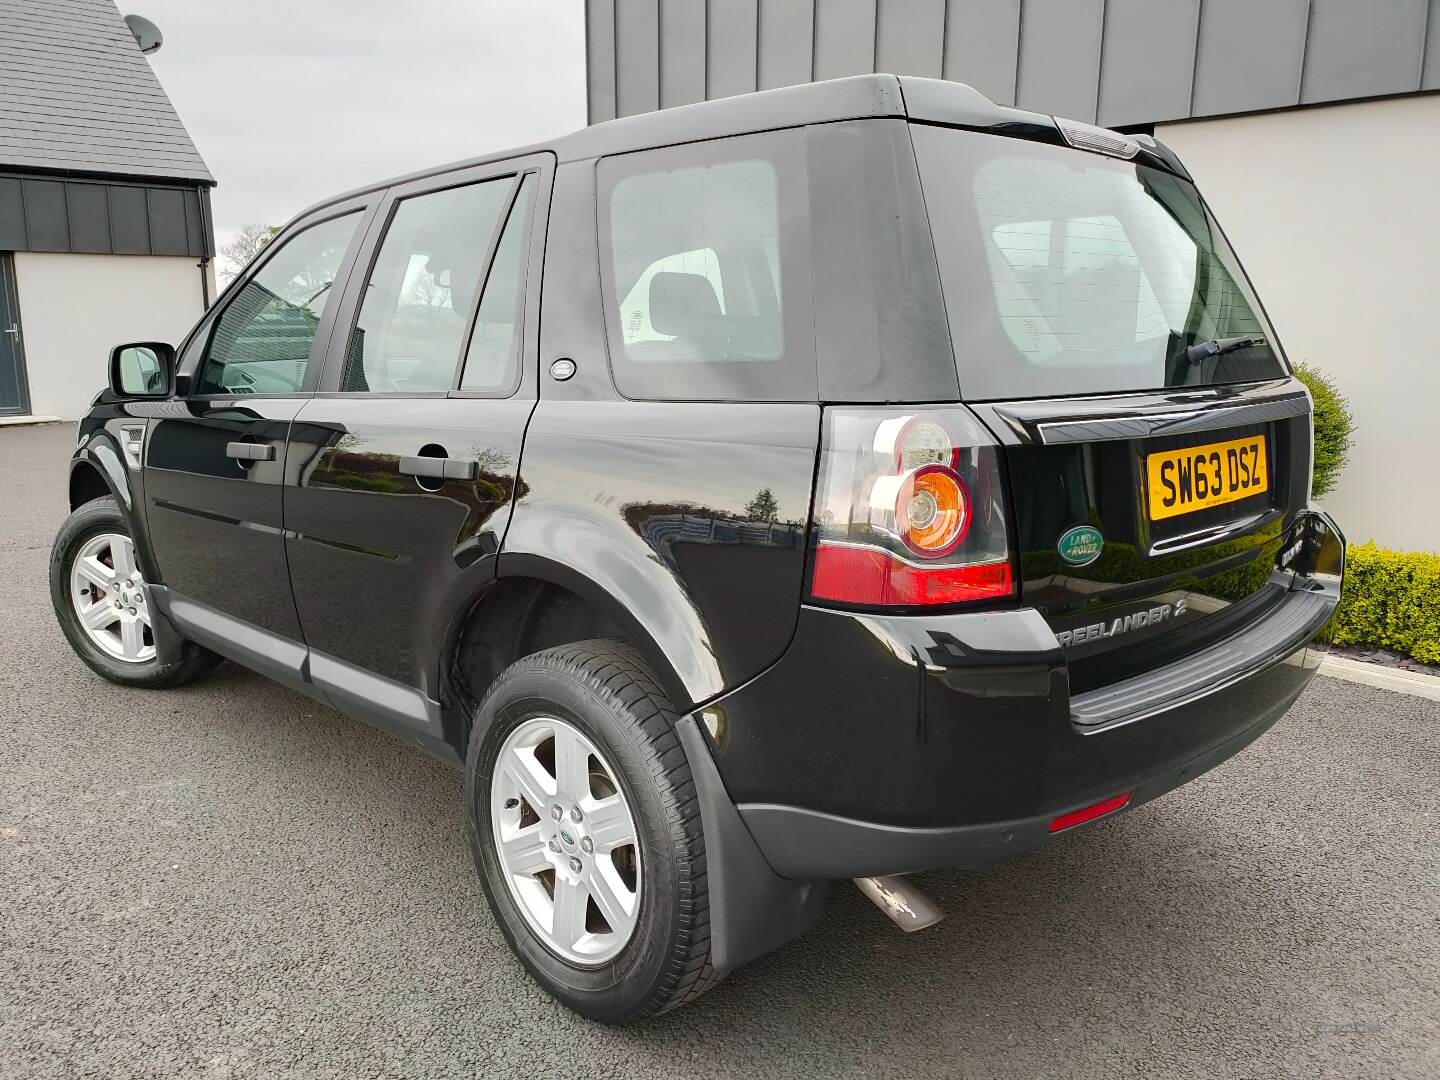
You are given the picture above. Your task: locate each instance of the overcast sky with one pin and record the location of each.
(292, 101)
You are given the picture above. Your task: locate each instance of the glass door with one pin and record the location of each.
(13, 398)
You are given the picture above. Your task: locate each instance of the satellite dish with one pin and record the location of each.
(147, 34)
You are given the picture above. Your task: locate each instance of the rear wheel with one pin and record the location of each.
(100, 600)
(586, 830)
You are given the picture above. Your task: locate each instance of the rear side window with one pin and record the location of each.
(706, 270)
(1066, 272)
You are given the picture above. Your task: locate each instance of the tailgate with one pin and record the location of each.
(1148, 524)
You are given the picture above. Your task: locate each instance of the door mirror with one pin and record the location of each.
(142, 369)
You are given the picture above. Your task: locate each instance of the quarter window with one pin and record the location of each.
(706, 272)
(261, 342)
(492, 358)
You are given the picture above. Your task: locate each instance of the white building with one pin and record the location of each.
(105, 230)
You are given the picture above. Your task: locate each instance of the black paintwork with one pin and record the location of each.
(854, 742)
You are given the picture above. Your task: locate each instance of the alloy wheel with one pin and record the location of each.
(566, 841)
(108, 595)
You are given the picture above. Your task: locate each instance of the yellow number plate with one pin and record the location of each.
(1182, 481)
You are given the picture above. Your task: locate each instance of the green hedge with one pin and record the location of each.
(1391, 601)
(1334, 427)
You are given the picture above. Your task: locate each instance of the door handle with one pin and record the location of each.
(250, 451)
(14, 329)
(439, 468)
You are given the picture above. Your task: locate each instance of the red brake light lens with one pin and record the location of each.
(908, 510)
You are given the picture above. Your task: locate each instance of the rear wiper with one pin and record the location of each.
(1204, 350)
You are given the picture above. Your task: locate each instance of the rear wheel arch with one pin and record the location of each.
(541, 608)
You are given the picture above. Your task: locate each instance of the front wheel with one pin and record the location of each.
(98, 592)
(586, 831)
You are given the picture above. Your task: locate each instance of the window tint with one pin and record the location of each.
(707, 276)
(492, 359)
(417, 302)
(261, 342)
(1066, 272)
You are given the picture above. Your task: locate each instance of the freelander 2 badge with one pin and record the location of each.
(1081, 545)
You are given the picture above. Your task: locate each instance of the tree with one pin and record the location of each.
(763, 506)
(248, 243)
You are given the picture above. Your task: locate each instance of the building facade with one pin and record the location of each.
(1310, 125)
(105, 231)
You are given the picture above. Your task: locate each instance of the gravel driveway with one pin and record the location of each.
(228, 880)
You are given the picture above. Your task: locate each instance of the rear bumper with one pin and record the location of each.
(895, 744)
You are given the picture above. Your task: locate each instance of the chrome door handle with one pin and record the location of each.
(439, 468)
(249, 451)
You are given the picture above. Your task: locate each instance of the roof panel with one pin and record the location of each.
(79, 95)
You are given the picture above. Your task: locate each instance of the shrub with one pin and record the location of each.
(1334, 427)
(1391, 601)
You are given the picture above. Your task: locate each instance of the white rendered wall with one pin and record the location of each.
(75, 308)
(1335, 213)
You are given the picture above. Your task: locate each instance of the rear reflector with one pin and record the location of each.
(1090, 813)
(862, 575)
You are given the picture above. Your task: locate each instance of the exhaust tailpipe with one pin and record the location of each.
(907, 907)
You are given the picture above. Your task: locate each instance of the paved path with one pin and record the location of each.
(230, 881)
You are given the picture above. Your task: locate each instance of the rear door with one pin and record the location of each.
(402, 469)
(1152, 475)
(215, 462)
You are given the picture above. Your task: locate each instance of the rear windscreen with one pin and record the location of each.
(1067, 272)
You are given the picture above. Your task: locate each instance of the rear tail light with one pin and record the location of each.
(909, 510)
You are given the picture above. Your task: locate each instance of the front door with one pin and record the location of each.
(13, 398)
(215, 466)
(402, 469)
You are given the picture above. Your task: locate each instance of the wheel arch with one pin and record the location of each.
(536, 603)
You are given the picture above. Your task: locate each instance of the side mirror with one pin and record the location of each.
(143, 369)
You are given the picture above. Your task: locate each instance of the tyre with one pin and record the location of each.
(97, 590)
(585, 827)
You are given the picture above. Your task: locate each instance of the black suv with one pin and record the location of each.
(834, 482)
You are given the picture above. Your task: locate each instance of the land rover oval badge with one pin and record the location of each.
(1081, 545)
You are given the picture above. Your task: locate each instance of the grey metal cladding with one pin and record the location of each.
(1060, 57)
(600, 59)
(730, 31)
(1362, 50)
(1430, 78)
(1249, 55)
(682, 52)
(12, 215)
(982, 39)
(786, 46)
(43, 213)
(1114, 62)
(910, 38)
(1142, 81)
(76, 94)
(844, 38)
(637, 56)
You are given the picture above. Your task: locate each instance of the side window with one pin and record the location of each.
(706, 268)
(261, 342)
(492, 359)
(417, 301)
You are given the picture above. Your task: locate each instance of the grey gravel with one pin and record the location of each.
(230, 881)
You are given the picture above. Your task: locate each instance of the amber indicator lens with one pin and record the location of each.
(935, 510)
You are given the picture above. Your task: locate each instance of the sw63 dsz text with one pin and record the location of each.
(835, 482)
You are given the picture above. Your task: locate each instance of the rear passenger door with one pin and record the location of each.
(402, 469)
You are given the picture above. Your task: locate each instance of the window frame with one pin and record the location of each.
(786, 150)
(516, 169)
(195, 349)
